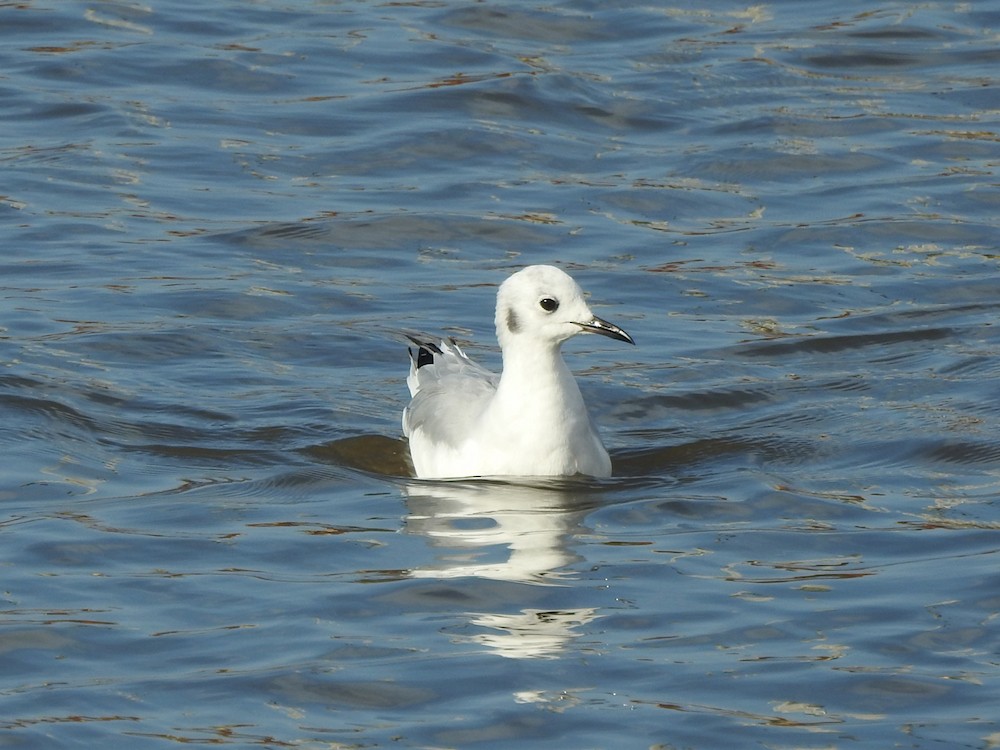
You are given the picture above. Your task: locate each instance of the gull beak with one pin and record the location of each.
(603, 327)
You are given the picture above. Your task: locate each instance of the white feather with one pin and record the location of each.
(464, 421)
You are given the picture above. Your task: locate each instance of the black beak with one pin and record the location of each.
(603, 327)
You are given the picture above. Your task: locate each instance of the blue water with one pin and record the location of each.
(219, 222)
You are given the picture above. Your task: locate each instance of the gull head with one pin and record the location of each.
(543, 305)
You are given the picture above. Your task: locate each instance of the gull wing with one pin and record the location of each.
(449, 392)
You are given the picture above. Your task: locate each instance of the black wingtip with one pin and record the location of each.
(425, 351)
(425, 356)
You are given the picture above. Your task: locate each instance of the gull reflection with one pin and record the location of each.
(532, 633)
(496, 530)
(505, 531)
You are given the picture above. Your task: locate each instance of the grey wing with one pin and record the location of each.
(449, 391)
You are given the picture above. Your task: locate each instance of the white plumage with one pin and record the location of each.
(465, 421)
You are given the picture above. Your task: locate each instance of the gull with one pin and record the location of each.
(531, 421)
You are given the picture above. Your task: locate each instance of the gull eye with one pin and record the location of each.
(549, 304)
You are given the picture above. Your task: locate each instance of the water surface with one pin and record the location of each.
(219, 225)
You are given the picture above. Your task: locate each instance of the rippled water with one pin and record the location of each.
(219, 223)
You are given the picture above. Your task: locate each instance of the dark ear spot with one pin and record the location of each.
(513, 324)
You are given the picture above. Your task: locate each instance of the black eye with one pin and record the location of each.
(549, 304)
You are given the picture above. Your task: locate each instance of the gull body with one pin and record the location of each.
(531, 421)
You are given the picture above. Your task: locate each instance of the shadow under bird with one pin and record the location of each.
(531, 420)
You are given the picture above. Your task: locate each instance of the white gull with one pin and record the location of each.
(464, 421)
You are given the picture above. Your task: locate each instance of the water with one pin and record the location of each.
(217, 225)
